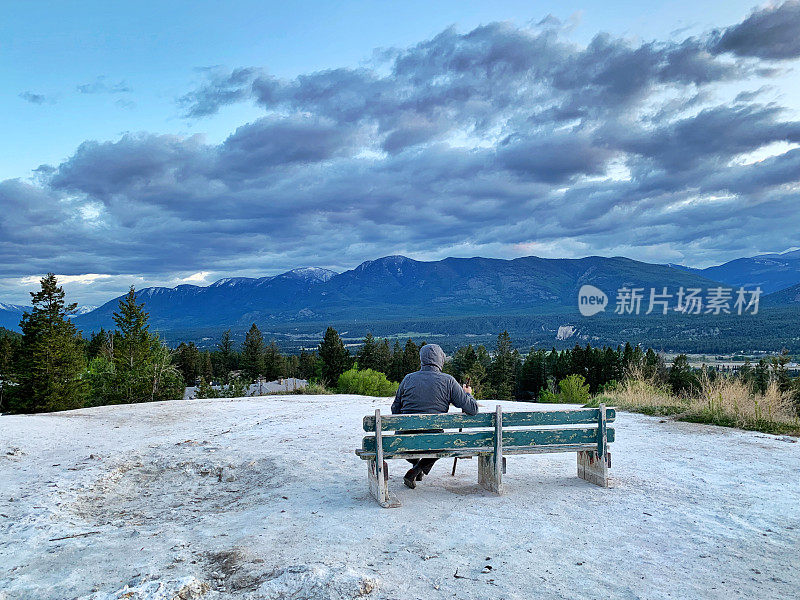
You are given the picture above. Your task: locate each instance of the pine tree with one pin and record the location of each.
(410, 362)
(226, 356)
(143, 366)
(627, 358)
(133, 351)
(97, 343)
(533, 376)
(206, 369)
(8, 352)
(761, 376)
(367, 354)
(746, 372)
(779, 371)
(252, 361)
(334, 356)
(189, 362)
(307, 368)
(651, 364)
(464, 360)
(396, 365)
(274, 364)
(383, 357)
(504, 368)
(681, 377)
(52, 361)
(291, 365)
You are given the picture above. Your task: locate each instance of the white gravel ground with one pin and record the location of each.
(264, 498)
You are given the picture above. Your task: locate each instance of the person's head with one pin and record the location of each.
(431, 355)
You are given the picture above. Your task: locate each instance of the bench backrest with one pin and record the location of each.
(572, 427)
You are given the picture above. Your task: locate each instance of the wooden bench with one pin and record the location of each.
(490, 437)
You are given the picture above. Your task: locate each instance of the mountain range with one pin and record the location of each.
(770, 272)
(11, 314)
(394, 287)
(402, 291)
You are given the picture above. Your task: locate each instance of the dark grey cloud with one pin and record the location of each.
(255, 148)
(498, 141)
(713, 135)
(34, 98)
(772, 33)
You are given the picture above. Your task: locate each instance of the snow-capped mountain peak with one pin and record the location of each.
(312, 273)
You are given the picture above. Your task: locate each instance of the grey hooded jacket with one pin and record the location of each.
(429, 390)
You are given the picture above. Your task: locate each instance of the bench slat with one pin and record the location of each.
(470, 452)
(480, 439)
(579, 416)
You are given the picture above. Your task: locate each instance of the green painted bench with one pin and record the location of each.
(490, 437)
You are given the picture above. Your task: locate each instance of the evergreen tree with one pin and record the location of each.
(651, 364)
(746, 372)
(533, 376)
(396, 366)
(189, 362)
(143, 366)
(132, 347)
(410, 362)
(252, 360)
(97, 343)
(8, 352)
(464, 361)
(627, 358)
(504, 368)
(761, 376)
(367, 356)
(307, 368)
(291, 365)
(780, 373)
(681, 377)
(51, 357)
(226, 359)
(383, 357)
(334, 356)
(206, 369)
(637, 361)
(274, 365)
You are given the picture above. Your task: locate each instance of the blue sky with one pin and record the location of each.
(187, 141)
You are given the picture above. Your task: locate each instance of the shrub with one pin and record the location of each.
(314, 389)
(366, 383)
(237, 388)
(549, 397)
(574, 390)
(598, 400)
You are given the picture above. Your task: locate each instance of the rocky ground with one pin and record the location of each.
(263, 498)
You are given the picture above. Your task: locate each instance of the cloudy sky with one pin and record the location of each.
(155, 145)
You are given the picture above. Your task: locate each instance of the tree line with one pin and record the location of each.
(51, 367)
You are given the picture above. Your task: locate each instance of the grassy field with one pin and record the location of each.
(724, 401)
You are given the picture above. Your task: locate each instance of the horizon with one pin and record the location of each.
(665, 134)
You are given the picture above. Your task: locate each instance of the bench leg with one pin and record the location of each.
(592, 468)
(380, 492)
(490, 476)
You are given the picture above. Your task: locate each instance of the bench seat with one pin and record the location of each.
(490, 437)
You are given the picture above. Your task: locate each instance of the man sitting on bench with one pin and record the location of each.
(430, 391)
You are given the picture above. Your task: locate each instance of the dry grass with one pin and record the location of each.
(724, 401)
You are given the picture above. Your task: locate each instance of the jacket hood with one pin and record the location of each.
(431, 355)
